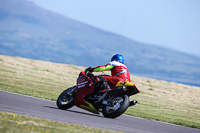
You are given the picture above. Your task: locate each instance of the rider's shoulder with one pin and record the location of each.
(116, 63)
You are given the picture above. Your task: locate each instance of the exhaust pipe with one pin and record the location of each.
(134, 102)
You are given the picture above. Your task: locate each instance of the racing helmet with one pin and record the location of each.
(118, 58)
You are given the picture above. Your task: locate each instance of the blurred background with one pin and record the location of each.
(159, 39)
(173, 24)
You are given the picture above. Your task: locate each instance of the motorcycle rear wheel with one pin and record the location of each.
(117, 107)
(66, 99)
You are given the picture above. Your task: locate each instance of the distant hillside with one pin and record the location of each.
(29, 31)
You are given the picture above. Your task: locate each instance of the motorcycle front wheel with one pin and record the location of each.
(116, 107)
(66, 99)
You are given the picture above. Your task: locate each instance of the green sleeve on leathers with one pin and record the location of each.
(105, 68)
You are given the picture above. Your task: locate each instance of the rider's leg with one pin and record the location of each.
(103, 83)
(112, 81)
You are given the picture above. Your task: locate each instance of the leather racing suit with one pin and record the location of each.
(119, 72)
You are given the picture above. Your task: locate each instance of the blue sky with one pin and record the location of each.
(173, 24)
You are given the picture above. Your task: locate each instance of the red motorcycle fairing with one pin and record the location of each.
(85, 86)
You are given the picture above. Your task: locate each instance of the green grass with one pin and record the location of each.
(14, 123)
(159, 100)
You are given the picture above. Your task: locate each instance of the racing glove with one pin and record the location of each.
(89, 69)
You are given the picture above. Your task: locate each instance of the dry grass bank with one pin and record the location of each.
(158, 100)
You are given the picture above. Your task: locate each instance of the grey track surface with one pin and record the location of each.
(46, 109)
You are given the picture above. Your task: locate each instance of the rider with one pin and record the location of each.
(119, 71)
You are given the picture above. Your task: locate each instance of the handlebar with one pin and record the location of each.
(91, 76)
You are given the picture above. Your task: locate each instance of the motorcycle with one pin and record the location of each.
(92, 96)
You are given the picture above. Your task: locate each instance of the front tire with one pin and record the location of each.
(66, 99)
(117, 107)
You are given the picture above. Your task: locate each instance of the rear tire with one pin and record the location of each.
(66, 99)
(118, 107)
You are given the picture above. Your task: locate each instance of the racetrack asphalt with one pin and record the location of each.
(46, 109)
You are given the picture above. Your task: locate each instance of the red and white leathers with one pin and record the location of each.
(119, 72)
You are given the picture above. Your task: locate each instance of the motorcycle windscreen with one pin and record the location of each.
(84, 88)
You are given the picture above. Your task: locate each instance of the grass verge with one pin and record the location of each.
(14, 123)
(158, 100)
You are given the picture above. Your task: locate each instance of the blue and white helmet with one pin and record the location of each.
(118, 58)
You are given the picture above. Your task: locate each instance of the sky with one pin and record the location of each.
(172, 24)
